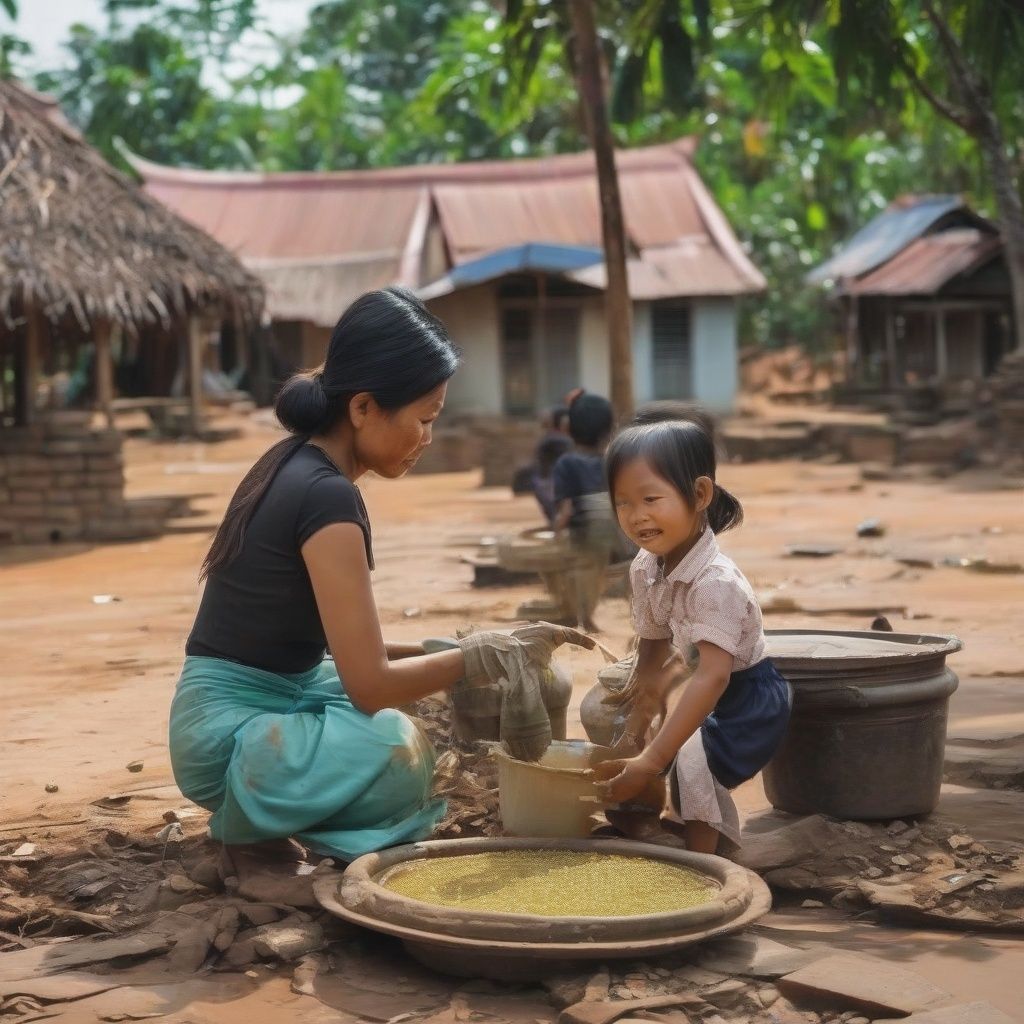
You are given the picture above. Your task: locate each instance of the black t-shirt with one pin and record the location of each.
(260, 609)
(577, 475)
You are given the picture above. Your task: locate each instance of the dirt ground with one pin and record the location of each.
(92, 636)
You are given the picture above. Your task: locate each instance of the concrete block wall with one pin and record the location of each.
(66, 483)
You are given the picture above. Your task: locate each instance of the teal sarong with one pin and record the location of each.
(276, 755)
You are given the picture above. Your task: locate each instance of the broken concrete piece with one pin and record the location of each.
(305, 973)
(791, 842)
(726, 994)
(965, 1013)
(52, 958)
(565, 989)
(813, 550)
(596, 987)
(872, 527)
(873, 986)
(288, 939)
(606, 1013)
(756, 957)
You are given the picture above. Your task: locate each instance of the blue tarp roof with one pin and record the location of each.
(533, 257)
(882, 238)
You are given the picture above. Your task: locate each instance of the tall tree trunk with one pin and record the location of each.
(1011, 212)
(590, 81)
(977, 116)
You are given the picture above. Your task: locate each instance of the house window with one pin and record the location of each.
(540, 355)
(671, 351)
(517, 361)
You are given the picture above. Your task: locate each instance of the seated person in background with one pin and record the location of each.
(554, 444)
(581, 498)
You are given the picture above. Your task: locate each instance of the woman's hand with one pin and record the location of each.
(542, 639)
(622, 780)
(538, 641)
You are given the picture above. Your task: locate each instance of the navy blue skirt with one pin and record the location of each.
(749, 721)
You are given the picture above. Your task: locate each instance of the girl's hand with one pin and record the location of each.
(633, 737)
(620, 781)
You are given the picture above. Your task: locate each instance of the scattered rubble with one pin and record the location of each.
(871, 528)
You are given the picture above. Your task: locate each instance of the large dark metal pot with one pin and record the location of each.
(868, 731)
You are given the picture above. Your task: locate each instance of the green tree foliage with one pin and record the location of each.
(806, 129)
(12, 47)
(962, 59)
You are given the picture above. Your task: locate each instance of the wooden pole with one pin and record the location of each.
(890, 347)
(541, 349)
(853, 362)
(941, 350)
(196, 343)
(30, 348)
(102, 331)
(590, 77)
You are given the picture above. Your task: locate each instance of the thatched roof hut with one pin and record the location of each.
(77, 236)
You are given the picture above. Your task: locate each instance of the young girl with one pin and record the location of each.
(733, 712)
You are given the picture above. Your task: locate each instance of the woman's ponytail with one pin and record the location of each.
(725, 510)
(302, 405)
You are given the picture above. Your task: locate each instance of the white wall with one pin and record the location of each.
(471, 317)
(715, 357)
(594, 375)
(643, 354)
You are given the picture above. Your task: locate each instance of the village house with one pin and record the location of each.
(507, 253)
(101, 290)
(924, 295)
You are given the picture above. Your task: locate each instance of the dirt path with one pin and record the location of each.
(92, 637)
(87, 684)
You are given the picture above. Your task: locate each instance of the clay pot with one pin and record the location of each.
(600, 720)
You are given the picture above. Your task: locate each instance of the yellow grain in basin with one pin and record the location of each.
(552, 883)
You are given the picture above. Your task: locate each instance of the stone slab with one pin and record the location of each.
(756, 956)
(855, 982)
(964, 1013)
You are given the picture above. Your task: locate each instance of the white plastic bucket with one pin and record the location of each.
(549, 798)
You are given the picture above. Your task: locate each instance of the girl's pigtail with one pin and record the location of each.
(725, 511)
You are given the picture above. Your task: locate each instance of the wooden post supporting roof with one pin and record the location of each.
(27, 366)
(891, 354)
(102, 331)
(196, 345)
(941, 345)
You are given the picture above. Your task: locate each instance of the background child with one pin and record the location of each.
(552, 446)
(733, 711)
(581, 500)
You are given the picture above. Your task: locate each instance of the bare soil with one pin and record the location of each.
(92, 640)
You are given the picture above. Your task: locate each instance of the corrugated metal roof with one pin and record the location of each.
(928, 264)
(693, 267)
(317, 289)
(481, 207)
(880, 239)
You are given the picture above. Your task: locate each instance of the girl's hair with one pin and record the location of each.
(386, 343)
(679, 451)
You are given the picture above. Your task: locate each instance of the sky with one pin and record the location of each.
(45, 23)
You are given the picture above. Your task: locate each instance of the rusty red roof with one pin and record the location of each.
(280, 222)
(928, 264)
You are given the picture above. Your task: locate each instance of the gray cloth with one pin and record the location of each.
(516, 662)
